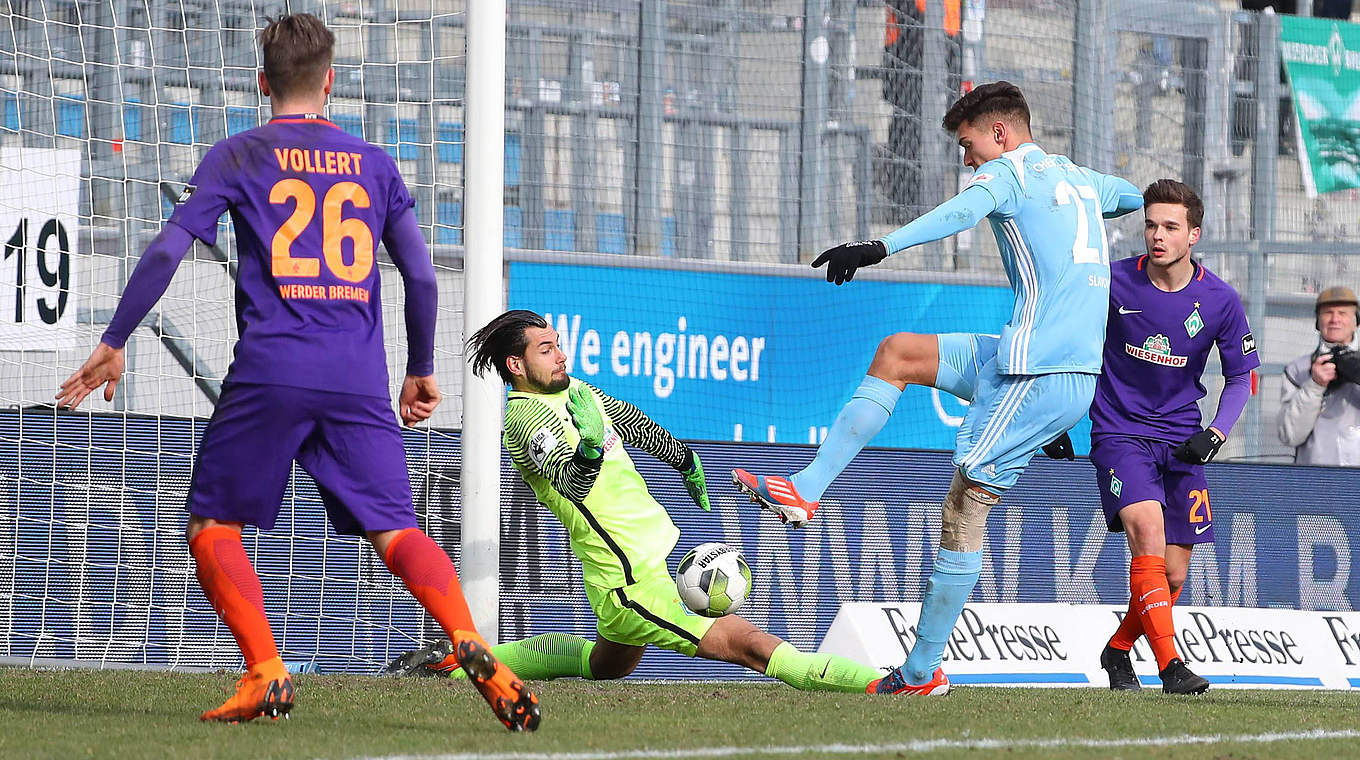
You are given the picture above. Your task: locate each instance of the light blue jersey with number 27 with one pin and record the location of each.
(1049, 225)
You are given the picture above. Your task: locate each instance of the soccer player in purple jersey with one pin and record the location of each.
(308, 381)
(1167, 312)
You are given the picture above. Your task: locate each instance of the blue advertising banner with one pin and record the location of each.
(746, 357)
(93, 564)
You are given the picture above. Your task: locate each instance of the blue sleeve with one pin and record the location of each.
(998, 177)
(955, 215)
(406, 245)
(148, 282)
(1118, 196)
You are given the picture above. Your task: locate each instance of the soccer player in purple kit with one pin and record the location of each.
(308, 381)
(1167, 312)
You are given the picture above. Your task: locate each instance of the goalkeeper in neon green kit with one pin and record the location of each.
(565, 439)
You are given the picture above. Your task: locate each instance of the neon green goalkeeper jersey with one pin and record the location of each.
(618, 531)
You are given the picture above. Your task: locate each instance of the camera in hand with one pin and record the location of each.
(1347, 363)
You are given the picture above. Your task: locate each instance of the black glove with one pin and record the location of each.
(1199, 448)
(1060, 448)
(842, 261)
(1347, 364)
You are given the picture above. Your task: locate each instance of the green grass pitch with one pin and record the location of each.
(129, 715)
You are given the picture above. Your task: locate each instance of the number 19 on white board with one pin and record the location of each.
(39, 248)
(35, 282)
(50, 251)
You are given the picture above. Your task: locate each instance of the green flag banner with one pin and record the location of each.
(1322, 57)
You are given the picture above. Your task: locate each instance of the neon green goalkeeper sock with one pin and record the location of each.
(544, 657)
(818, 672)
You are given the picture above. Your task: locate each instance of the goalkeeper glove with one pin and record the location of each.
(694, 482)
(842, 261)
(1061, 448)
(586, 417)
(1199, 448)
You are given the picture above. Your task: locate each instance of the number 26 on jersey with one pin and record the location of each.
(335, 229)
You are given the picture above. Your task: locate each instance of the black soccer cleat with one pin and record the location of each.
(431, 660)
(1178, 679)
(1119, 667)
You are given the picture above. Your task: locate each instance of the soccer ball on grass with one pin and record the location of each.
(713, 579)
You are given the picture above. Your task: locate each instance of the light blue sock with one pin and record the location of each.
(951, 581)
(856, 425)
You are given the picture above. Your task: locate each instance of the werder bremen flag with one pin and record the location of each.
(1322, 57)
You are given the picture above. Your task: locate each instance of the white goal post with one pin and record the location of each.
(484, 298)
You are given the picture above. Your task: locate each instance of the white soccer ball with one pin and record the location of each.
(713, 579)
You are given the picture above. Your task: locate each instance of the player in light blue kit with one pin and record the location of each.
(1025, 387)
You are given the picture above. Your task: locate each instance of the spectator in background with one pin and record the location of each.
(898, 171)
(1320, 410)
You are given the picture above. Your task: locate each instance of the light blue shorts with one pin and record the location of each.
(1009, 416)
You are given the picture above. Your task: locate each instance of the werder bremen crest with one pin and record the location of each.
(1116, 485)
(1194, 323)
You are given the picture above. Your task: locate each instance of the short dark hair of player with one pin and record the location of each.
(500, 339)
(992, 100)
(1179, 194)
(297, 53)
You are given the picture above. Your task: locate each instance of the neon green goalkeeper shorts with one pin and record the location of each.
(647, 612)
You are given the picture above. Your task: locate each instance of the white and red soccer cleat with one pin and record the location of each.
(896, 683)
(776, 494)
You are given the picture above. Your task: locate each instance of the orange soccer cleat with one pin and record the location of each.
(896, 683)
(510, 699)
(265, 689)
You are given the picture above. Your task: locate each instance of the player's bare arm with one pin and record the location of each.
(145, 286)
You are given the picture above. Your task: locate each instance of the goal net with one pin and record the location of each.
(105, 110)
(671, 168)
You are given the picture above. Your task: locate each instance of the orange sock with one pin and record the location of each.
(1131, 627)
(1152, 601)
(231, 585)
(429, 575)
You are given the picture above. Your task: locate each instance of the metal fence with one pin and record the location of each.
(736, 130)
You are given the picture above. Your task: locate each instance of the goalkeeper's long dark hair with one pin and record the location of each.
(500, 339)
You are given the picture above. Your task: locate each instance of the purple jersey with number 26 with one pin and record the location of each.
(1156, 346)
(309, 203)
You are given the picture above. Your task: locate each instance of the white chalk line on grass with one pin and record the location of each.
(919, 746)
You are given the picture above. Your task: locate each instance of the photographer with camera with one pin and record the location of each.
(1320, 409)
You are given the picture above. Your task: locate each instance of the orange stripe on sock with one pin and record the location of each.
(231, 585)
(429, 575)
(1151, 599)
